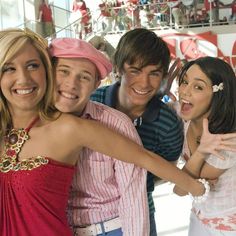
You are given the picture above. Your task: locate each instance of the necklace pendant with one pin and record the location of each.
(198, 140)
(13, 138)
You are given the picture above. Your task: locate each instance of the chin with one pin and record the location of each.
(62, 108)
(185, 117)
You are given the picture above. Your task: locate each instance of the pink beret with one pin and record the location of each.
(76, 48)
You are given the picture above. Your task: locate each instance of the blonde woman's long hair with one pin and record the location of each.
(11, 42)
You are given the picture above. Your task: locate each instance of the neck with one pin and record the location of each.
(196, 131)
(132, 111)
(22, 120)
(196, 126)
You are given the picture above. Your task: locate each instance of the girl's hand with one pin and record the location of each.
(214, 143)
(172, 73)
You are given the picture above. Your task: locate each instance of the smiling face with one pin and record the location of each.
(76, 79)
(195, 94)
(139, 85)
(23, 81)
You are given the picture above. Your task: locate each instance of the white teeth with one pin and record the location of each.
(67, 95)
(184, 101)
(140, 92)
(24, 91)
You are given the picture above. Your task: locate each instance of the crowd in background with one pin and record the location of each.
(119, 15)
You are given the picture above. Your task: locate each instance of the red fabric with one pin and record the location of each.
(81, 6)
(46, 13)
(85, 17)
(33, 202)
(207, 5)
(233, 7)
(134, 1)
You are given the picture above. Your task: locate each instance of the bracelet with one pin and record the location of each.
(202, 198)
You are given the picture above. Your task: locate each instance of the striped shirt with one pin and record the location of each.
(159, 128)
(104, 188)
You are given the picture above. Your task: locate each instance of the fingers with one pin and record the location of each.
(172, 96)
(215, 153)
(228, 143)
(174, 65)
(205, 125)
(225, 148)
(172, 73)
(228, 136)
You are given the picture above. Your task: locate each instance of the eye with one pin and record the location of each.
(134, 72)
(85, 78)
(156, 74)
(184, 82)
(8, 69)
(33, 66)
(198, 87)
(62, 72)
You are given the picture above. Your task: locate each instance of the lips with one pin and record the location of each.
(24, 91)
(186, 106)
(141, 92)
(68, 95)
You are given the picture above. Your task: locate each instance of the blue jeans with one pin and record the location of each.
(116, 232)
(153, 231)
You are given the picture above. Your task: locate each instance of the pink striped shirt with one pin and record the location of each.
(105, 188)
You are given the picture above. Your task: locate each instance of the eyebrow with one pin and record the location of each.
(196, 79)
(62, 65)
(27, 62)
(140, 68)
(68, 67)
(33, 60)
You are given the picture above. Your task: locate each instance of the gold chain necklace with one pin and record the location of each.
(13, 143)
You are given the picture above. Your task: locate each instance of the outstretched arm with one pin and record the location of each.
(104, 140)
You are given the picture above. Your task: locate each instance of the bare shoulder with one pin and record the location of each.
(78, 127)
(67, 123)
(76, 131)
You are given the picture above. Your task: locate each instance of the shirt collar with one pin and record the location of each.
(152, 110)
(112, 94)
(90, 112)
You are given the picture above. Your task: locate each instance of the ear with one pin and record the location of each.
(97, 84)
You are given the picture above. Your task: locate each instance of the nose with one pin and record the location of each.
(23, 76)
(144, 78)
(187, 90)
(71, 82)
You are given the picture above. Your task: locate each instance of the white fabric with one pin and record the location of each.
(196, 228)
(222, 200)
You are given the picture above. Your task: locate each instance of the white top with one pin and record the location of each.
(222, 200)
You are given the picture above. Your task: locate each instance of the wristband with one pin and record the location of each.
(202, 198)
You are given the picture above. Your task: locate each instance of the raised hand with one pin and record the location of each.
(172, 73)
(214, 143)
